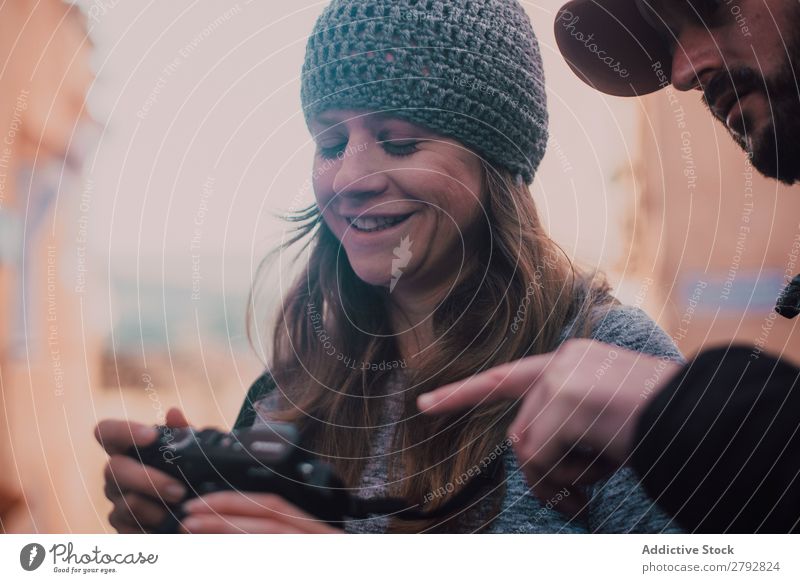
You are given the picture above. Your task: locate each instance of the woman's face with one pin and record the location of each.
(400, 198)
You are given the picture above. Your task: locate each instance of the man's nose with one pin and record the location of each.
(359, 172)
(697, 58)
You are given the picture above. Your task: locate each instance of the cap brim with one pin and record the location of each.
(610, 46)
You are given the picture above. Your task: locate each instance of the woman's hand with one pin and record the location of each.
(248, 512)
(140, 494)
(579, 408)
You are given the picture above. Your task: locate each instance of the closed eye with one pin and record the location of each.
(400, 148)
(331, 152)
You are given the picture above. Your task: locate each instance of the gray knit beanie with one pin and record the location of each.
(467, 69)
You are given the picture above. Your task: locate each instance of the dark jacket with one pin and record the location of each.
(719, 447)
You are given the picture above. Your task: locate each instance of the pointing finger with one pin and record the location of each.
(508, 381)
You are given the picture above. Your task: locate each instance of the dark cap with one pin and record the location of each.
(614, 46)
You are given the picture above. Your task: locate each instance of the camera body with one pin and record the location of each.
(263, 459)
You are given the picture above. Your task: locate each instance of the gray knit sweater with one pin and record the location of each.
(616, 505)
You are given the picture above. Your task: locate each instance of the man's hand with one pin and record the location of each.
(579, 409)
(248, 512)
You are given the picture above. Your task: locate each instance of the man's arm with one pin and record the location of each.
(719, 445)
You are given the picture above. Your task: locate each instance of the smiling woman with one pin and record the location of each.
(397, 181)
(424, 248)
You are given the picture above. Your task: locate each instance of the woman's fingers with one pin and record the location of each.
(245, 504)
(176, 418)
(215, 523)
(121, 521)
(139, 493)
(119, 436)
(261, 506)
(147, 512)
(135, 513)
(129, 475)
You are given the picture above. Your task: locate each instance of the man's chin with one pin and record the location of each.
(778, 159)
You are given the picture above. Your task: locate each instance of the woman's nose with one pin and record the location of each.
(360, 172)
(697, 58)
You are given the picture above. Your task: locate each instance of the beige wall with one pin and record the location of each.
(708, 218)
(57, 394)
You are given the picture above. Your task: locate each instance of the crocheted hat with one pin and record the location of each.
(467, 69)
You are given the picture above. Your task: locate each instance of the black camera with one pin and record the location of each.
(264, 459)
(270, 459)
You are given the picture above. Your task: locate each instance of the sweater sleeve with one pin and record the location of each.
(620, 503)
(719, 446)
(631, 328)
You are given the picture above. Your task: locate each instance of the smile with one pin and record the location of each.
(728, 108)
(375, 223)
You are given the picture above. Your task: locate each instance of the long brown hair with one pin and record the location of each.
(525, 300)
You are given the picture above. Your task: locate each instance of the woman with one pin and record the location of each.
(427, 264)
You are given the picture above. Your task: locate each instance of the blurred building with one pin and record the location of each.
(715, 239)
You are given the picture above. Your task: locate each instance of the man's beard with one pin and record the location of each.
(775, 150)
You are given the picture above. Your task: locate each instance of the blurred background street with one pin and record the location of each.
(145, 151)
